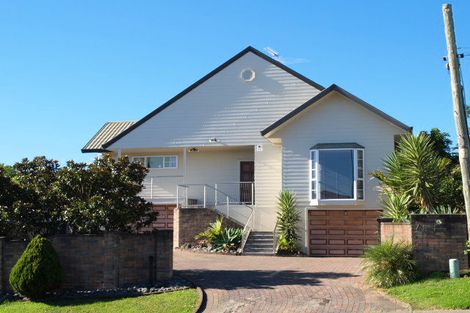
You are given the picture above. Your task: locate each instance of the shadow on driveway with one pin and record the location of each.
(257, 279)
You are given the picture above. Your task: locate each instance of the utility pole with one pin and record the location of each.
(460, 116)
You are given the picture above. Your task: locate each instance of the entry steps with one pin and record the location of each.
(259, 243)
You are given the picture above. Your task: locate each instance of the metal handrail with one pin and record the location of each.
(246, 231)
(275, 238)
(248, 227)
(250, 184)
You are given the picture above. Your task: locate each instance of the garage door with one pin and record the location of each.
(342, 232)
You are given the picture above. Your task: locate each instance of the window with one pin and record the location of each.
(337, 173)
(159, 161)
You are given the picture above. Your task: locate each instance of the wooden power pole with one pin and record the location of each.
(460, 116)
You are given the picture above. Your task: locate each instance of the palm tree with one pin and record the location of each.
(414, 169)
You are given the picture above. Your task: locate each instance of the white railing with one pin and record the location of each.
(241, 192)
(247, 230)
(223, 203)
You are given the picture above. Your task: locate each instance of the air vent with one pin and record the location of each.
(247, 75)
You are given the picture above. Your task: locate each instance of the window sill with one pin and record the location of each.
(335, 202)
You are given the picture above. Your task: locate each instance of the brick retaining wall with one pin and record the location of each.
(395, 231)
(110, 260)
(164, 220)
(438, 238)
(435, 239)
(188, 222)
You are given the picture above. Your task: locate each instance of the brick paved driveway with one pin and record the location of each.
(281, 284)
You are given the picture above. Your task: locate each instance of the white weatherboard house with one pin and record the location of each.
(253, 127)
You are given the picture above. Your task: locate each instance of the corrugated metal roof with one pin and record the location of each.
(105, 134)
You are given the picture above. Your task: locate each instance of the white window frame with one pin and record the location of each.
(314, 164)
(156, 156)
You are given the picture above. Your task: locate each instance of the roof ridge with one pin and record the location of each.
(207, 77)
(323, 93)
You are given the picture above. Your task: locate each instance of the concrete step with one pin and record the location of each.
(256, 236)
(259, 243)
(261, 240)
(258, 253)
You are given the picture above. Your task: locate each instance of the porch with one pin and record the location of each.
(198, 176)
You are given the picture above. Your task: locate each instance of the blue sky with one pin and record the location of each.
(66, 67)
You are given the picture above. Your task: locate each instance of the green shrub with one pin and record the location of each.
(389, 264)
(229, 240)
(396, 207)
(38, 270)
(287, 219)
(221, 238)
(213, 231)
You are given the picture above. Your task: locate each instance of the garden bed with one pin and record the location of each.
(197, 248)
(435, 292)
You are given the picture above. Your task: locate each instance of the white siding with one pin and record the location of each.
(204, 167)
(334, 119)
(268, 178)
(224, 107)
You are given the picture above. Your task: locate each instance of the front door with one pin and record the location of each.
(247, 177)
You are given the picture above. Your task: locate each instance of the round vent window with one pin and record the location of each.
(247, 75)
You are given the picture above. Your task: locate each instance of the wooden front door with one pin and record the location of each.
(247, 176)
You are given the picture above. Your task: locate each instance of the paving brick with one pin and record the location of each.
(268, 284)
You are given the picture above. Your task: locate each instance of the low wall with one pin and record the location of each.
(395, 231)
(188, 222)
(435, 239)
(164, 220)
(438, 238)
(110, 260)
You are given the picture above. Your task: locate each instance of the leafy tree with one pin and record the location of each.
(10, 193)
(442, 144)
(43, 198)
(38, 270)
(7, 170)
(287, 219)
(37, 206)
(103, 196)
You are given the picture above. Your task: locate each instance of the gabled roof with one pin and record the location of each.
(205, 78)
(320, 96)
(106, 133)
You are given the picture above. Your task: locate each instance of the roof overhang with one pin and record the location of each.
(339, 145)
(107, 132)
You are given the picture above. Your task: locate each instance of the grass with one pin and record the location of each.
(435, 292)
(172, 302)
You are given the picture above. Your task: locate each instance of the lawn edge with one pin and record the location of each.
(384, 293)
(201, 300)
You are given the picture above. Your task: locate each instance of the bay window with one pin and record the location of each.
(337, 172)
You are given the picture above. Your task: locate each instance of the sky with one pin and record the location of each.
(67, 67)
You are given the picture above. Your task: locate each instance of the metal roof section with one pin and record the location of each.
(324, 93)
(109, 131)
(339, 145)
